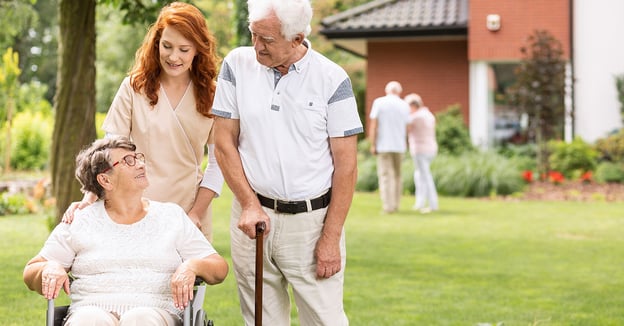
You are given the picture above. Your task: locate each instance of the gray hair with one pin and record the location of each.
(414, 99)
(95, 160)
(294, 15)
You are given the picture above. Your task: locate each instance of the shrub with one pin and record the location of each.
(612, 147)
(477, 174)
(609, 172)
(12, 204)
(451, 132)
(572, 159)
(99, 120)
(407, 175)
(525, 155)
(31, 136)
(367, 174)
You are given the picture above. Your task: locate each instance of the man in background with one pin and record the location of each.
(389, 117)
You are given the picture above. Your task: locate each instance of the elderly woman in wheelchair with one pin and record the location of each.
(134, 261)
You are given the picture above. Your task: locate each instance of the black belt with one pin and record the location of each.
(294, 207)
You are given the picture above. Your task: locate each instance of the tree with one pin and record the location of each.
(37, 46)
(243, 36)
(74, 125)
(9, 74)
(219, 18)
(619, 85)
(116, 45)
(17, 17)
(539, 91)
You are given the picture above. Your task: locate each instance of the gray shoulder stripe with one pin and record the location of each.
(222, 114)
(227, 74)
(344, 91)
(354, 131)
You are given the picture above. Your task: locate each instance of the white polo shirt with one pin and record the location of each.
(392, 114)
(286, 121)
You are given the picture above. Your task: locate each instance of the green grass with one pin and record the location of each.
(475, 261)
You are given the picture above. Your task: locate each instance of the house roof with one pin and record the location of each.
(397, 18)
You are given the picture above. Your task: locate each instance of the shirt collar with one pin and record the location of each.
(299, 65)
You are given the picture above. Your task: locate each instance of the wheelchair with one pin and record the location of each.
(194, 314)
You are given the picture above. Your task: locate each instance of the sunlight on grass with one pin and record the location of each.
(474, 262)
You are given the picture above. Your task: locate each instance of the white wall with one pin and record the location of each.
(480, 117)
(598, 57)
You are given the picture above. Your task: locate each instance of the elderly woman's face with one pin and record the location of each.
(128, 169)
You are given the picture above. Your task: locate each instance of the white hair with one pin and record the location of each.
(394, 87)
(294, 15)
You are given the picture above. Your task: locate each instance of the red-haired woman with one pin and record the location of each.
(164, 107)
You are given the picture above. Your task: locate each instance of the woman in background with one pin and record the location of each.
(423, 147)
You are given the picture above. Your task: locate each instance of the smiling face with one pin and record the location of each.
(176, 52)
(272, 48)
(124, 176)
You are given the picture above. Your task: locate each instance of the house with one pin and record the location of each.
(464, 52)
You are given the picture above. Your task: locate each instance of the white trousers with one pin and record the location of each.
(142, 316)
(426, 193)
(288, 260)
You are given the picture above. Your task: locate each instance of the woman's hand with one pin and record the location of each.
(182, 283)
(88, 199)
(53, 277)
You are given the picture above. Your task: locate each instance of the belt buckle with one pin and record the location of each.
(290, 207)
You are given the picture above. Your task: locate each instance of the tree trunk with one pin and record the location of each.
(74, 125)
(243, 36)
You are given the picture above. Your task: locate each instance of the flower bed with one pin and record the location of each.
(573, 191)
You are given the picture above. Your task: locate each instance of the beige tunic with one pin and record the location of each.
(172, 139)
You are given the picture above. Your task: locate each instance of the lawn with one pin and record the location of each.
(474, 262)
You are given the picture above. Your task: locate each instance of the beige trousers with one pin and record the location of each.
(142, 316)
(288, 260)
(390, 183)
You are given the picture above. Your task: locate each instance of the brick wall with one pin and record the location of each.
(437, 70)
(519, 18)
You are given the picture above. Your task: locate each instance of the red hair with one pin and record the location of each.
(190, 22)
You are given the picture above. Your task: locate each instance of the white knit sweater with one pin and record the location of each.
(118, 267)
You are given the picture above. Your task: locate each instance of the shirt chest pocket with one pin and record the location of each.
(314, 112)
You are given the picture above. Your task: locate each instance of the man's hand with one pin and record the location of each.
(328, 259)
(250, 218)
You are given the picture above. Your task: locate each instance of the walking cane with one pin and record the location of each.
(259, 249)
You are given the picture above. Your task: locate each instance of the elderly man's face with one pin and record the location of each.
(272, 49)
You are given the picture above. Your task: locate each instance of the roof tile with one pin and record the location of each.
(390, 15)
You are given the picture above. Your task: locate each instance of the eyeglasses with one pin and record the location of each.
(129, 159)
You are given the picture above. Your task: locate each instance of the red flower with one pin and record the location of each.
(586, 177)
(555, 177)
(527, 176)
